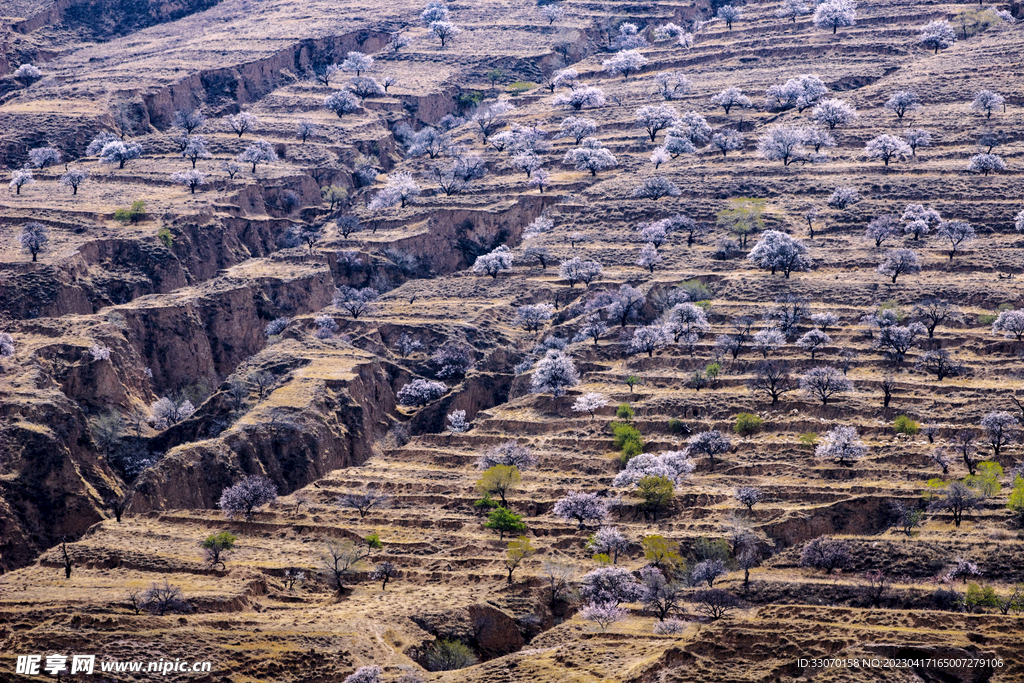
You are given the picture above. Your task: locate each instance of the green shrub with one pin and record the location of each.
(504, 521)
(986, 319)
(979, 596)
(676, 426)
(449, 655)
(986, 481)
(468, 100)
(1016, 502)
(623, 432)
(708, 549)
(808, 439)
(519, 87)
(655, 492)
(697, 381)
(486, 503)
(625, 412)
(134, 214)
(631, 381)
(973, 22)
(904, 425)
(216, 545)
(165, 236)
(894, 306)
(628, 439)
(630, 450)
(602, 559)
(712, 370)
(373, 541)
(697, 291)
(747, 424)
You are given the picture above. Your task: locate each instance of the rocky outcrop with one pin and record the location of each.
(105, 19)
(334, 402)
(53, 485)
(491, 631)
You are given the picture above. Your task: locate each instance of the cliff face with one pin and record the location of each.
(53, 484)
(334, 402)
(101, 20)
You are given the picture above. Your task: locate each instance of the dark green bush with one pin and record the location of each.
(747, 424)
(905, 425)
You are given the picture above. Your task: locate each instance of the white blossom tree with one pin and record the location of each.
(533, 316)
(791, 9)
(590, 156)
(782, 143)
(824, 383)
(648, 339)
(554, 374)
(166, 412)
(986, 102)
(887, 148)
(457, 423)
(117, 152)
(577, 128)
(400, 188)
(41, 157)
(489, 118)
(673, 85)
(843, 197)
(495, 262)
(776, 250)
(813, 340)
(655, 118)
(729, 14)
(358, 62)
(832, 113)
(957, 233)
(986, 163)
(243, 498)
(590, 403)
(436, 10)
(242, 123)
(625, 63)
(581, 507)
(259, 152)
(937, 35)
(577, 270)
(27, 74)
(584, 97)
(420, 392)
(800, 92)
(731, 97)
(899, 262)
(190, 179)
(884, 227)
(445, 31)
(195, 149)
(834, 14)
(74, 179)
(843, 445)
(727, 141)
(1011, 323)
(707, 444)
(33, 238)
(917, 138)
(608, 541)
(341, 102)
(903, 101)
(21, 178)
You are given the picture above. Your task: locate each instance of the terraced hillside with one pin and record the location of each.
(181, 296)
